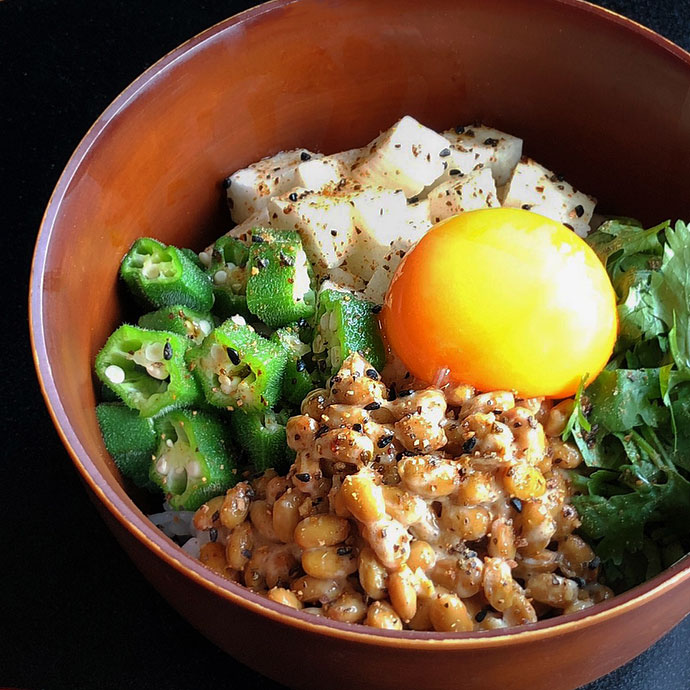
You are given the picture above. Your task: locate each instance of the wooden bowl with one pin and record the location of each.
(595, 97)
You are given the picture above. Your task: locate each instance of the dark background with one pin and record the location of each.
(74, 612)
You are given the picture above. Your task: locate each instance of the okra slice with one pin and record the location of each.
(345, 324)
(160, 276)
(236, 367)
(280, 279)
(297, 380)
(193, 257)
(179, 319)
(228, 272)
(129, 438)
(193, 461)
(147, 370)
(262, 435)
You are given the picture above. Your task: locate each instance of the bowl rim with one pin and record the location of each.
(135, 522)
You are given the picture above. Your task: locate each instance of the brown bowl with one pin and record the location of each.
(595, 96)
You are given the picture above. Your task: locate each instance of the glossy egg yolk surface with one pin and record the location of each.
(503, 299)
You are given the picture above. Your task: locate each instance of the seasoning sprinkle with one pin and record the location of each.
(167, 350)
(579, 211)
(490, 142)
(527, 207)
(468, 445)
(300, 365)
(372, 374)
(385, 441)
(481, 615)
(344, 550)
(293, 196)
(413, 200)
(234, 356)
(213, 534)
(444, 152)
(372, 406)
(376, 308)
(516, 503)
(454, 171)
(303, 476)
(305, 156)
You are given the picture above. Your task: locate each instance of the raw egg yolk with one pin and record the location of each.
(502, 299)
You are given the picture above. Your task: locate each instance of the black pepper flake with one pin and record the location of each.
(167, 351)
(305, 156)
(459, 129)
(594, 563)
(527, 207)
(405, 393)
(384, 441)
(227, 182)
(257, 239)
(490, 142)
(213, 534)
(468, 445)
(579, 211)
(444, 152)
(372, 406)
(344, 550)
(372, 374)
(376, 308)
(303, 476)
(481, 615)
(233, 355)
(413, 200)
(293, 196)
(322, 430)
(454, 171)
(356, 427)
(300, 365)
(516, 503)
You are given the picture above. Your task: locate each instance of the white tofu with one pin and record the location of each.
(537, 189)
(323, 222)
(249, 189)
(407, 156)
(378, 284)
(345, 279)
(463, 193)
(475, 145)
(318, 173)
(419, 219)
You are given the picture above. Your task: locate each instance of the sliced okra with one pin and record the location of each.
(345, 324)
(237, 368)
(129, 438)
(228, 272)
(147, 370)
(160, 276)
(263, 438)
(179, 319)
(279, 278)
(298, 379)
(193, 461)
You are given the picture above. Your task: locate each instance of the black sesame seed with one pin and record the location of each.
(249, 491)
(594, 563)
(286, 260)
(305, 156)
(516, 503)
(322, 430)
(459, 129)
(454, 171)
(481, 615)
(384, 441)
(334, 233)
(413, 200)
(227, 182)
(579, 211)
(372, 374)
(468, 445)
(167, 351)
(246, 553)
(300, 365)
(293, 196)
(233, 355)
(579, 581)
(405, 393)
(303, 476)
(302, 323)
(527, 207)
(213, 534)
(392, 393)
(257, 238)
(344, 550)
(372, 406)
(356, 427)
(262, 262)
(444, 152)
(490, 142)
(376, 308)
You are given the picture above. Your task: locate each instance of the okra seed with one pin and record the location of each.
(169, 442)
(220, 277)
(205, 327)
(238, 320)
(115, 374)
(162, 465)
(205, 258)
(193, 468)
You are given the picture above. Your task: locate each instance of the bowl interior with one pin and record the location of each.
(595, 98)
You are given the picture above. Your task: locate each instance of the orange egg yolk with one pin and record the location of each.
(502, 299)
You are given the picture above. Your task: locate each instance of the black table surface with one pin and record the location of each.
(74, 612)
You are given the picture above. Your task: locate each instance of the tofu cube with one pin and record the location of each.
(535, 188)
(318, 173)
(463, 193)
(408, 156)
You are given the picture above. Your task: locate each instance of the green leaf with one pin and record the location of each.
(577, 417)
(616, 239)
